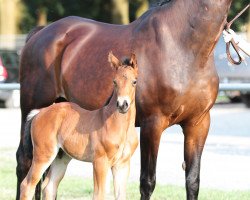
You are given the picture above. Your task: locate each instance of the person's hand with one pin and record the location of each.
(228, 35)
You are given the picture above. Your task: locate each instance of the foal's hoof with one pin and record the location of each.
(184, 165)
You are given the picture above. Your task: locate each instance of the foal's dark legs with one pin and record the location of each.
(151, 131)
(195, 137)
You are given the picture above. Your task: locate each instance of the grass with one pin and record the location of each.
(74, 187)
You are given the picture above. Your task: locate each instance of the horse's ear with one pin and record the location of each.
(114, 62)
(133, 61)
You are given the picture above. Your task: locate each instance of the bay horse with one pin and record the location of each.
(177, 80)
(106, 137)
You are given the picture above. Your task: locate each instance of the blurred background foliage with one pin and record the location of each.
(42, 12)
(241, 23)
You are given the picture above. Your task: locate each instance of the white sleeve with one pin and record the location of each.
(244, 46)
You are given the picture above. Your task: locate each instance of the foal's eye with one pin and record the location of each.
(134, 82)
(114, 81)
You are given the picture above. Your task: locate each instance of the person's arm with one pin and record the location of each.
(242, 44)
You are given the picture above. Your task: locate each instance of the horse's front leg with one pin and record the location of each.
(120, 176)
(151, 130)
(100, 170)
(195, 137)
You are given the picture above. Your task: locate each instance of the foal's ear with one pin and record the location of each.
(114, 62)
(133, 61)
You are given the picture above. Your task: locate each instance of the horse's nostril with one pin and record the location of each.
(117, 104)
(126, 104)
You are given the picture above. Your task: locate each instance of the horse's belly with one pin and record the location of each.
(78, 147)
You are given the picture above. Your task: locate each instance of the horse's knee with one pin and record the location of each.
(147, 187)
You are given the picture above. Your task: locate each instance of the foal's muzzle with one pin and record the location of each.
(123, 104)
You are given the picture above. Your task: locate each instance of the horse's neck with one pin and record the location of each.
(197, 24)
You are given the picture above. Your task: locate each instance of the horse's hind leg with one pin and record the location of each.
(195, 137)
(38, 167)
(30, 100)
(55, 175)
(24, 160)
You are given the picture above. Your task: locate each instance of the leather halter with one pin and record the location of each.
(232, 42)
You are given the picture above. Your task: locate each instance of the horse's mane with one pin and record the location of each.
(153, 8)
(163, 2)
(126, 62)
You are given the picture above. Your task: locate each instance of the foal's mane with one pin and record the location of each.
(126, 62)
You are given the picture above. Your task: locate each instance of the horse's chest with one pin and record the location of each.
(179, 98)
(114, 144)
(118, 148)
(120, 154)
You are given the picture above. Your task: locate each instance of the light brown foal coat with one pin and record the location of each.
(105, 137)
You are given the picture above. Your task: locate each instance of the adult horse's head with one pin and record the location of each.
(124, 81)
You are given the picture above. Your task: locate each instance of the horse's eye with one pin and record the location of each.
(115, 83)
(134, 82)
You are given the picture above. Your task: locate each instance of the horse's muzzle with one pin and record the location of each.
(122, 106)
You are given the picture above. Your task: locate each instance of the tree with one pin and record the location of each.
(36, 13)
(120, 11)
(240, 23)
(137, 8)
(39, 12)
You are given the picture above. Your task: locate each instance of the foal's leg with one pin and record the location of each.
(100, 170)
(195, 137)
(38, 167)
(55, 175)
(151, 131)
(120, 176)
(23, 156)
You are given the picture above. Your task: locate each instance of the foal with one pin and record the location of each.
(105, 137)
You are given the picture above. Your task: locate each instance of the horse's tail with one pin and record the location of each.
(33, 32)
(27, 143)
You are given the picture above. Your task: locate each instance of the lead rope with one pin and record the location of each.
(232, 42)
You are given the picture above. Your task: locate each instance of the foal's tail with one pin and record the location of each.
(33, 32)
(27, 143)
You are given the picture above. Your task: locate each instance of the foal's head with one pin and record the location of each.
(124, 81)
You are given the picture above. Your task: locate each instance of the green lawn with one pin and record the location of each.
(78, 188)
